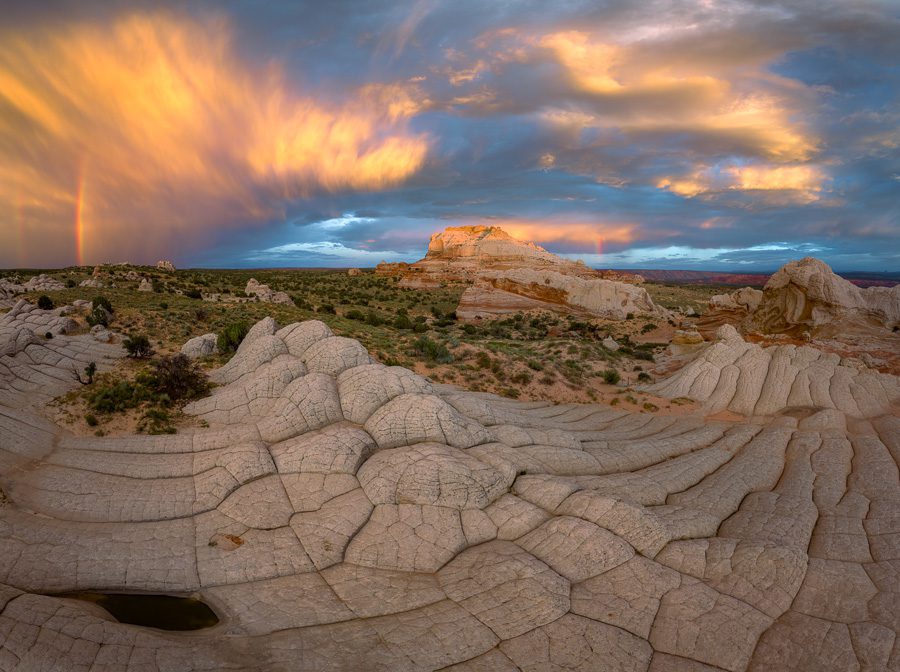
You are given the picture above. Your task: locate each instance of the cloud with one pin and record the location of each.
(150, 135)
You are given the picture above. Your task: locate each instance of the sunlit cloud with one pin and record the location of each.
(784, 184)
(150, 135)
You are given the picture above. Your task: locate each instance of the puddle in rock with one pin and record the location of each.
(153, 611)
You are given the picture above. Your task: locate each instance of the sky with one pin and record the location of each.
(703, 134)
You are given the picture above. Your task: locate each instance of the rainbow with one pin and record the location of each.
(79, 218)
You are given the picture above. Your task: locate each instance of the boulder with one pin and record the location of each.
(354, 271)
(43, 283)
(200, 346)
(165, 266)
(145, 286)
(266, 294)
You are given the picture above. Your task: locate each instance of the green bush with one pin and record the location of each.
(70, 283)
(118, 397)
(138, 346)
(231, 336)
(193, 294)
(432, 350)
(420, 327)
(355, 315)
(326, 308)
(102, 302)
(44, 302)
(91, 420)
(470, 329)
(402, 321)
(98, 315)
(156, 421)
(644, 377)
(611, 376)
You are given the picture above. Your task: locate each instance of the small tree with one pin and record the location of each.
(179, 378)
(138, 346)
(89, 372)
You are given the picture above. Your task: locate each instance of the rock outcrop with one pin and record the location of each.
(500, 292)
(266, 294)
(464, 253)
(344, 515)
(201, 346)
(165, 265)
(391, 269)
(745, 299)
(807, 295)
(43, 283)
(145, 286)
(354, 271)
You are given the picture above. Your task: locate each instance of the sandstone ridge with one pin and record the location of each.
(340, 514)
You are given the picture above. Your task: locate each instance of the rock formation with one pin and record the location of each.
(391, 269)
(145, 286)
(201, 346)
(94, 282)
(344, 515)
(165, 266)
(43, 283)
(354, 271)
(464, 253)
(807, 295)
(499, 292)
(745, 299)
(266, 294)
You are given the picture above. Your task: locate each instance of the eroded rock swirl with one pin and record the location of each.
(344, 515)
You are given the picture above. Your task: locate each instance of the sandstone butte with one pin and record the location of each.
(507, 275)
(339, 514)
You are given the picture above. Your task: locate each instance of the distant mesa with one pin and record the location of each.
(509, 275)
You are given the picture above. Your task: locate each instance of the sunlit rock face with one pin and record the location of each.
(806, 294)
(464, 253)
(523, 289)
(339, 514)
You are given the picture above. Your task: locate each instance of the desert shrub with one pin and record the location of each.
(156, 421)
(432, 350)
(231, 336)
(403, 322)
(522, 378)
(355, 314)
(118, 397)
(163, 305)
(420, 327)
(178, 377)
(470, 329)
(138, 346)
(644, 377)
(98, 315)
(193, 293)
(102, 302)
(610, 376)
(48, 335)
(327, 309)
(483, 360)
(629, 316)
(644, 355)
(70, 283)
(91, 420)
(535, 365)
(44, 302)
(373, 319)
(647, 328)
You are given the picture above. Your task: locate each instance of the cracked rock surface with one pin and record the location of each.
(343, 515)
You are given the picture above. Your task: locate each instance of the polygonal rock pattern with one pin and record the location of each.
(344, 515)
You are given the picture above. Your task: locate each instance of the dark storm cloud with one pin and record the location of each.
(741, 133)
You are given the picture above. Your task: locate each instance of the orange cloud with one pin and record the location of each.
(174, 136)
(787, 184)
